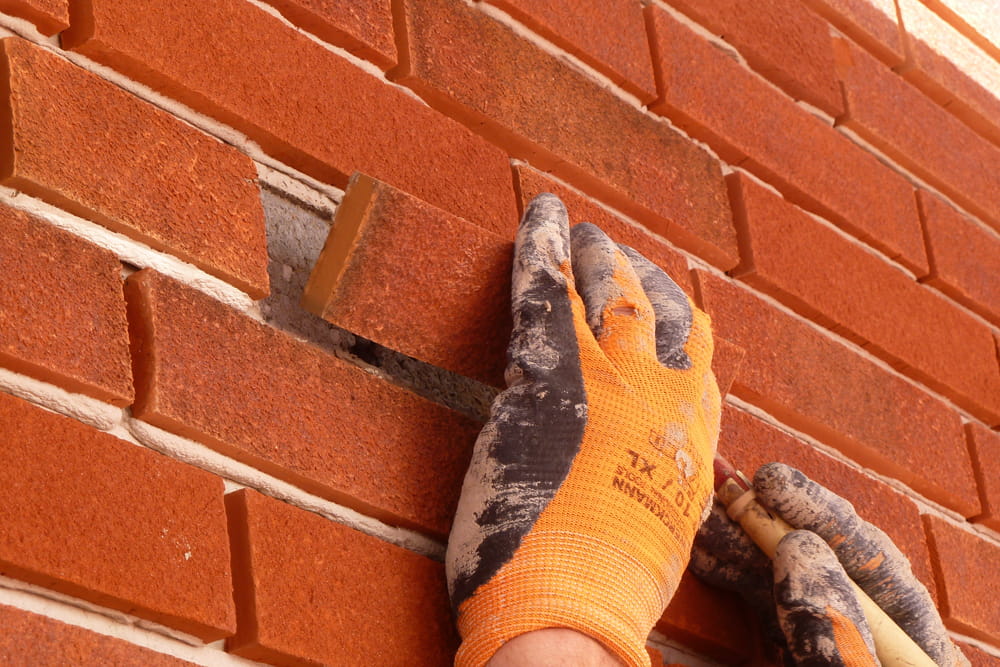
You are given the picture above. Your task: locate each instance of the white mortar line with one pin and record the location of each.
(318, 197)
(85, 409)
(978, 643)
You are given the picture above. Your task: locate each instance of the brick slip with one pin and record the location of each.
(92, 516)
(849, 186)
(292, 410)
(470, 66)
(317, 112)
(874, 97)
(362, 27)
(31, 640)
(967, 585)
(49, 16)
(826, 277)
(608, 35)
(822, 388)
(781, 39)
(964, 258)
(749, 443)
(978, 657)
(311, 591)
(871, 23)
(709, 620)
(984, 446)
(950, 69)
(89, 147)
(62, 315)
(456, 315)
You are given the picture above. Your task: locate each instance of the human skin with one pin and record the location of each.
(553, 647)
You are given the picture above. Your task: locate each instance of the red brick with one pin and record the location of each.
(49, 16)
(608, 35)
(964, 258)
(118, 525)
(977, 20)
(871, 23)
(952, 70)
(782, 40)
(89, 147)
(831, 279)
(726, 362)
(311, 591)
(822, 388)
(32, 640)
(655, 657)
(62, 315)
(926, 139)
(292, 410)
(848, 186)
(456, 315)
(967, 585)
(985, 448)
(978, 657)
(317, 112)
(708, 620)
(748, 443)
(363, 27)
(470, 66)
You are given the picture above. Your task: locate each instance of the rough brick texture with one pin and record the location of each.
(801, 62)
(310, 591)
(416, 279)
(103, 520)
(363, 27)
(708, 620)
(871, 23)
(848, 185)
(822, 388)
(292, 410)
(62, 315)
(978, 657)
(87, 146)
(30, 640)
(985, 448)
(49, 16)
(966, 589)
(836, 281)
(299, 116)
(964, 257)
(608, 35)
(560, 120)
(874, 96)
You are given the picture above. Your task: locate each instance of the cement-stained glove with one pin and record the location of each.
(590, 479)
(805, 599)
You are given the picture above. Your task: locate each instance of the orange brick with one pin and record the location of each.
(871, 23)
(89, 147)
(456, 315)
(62, 315)
(835, 281)
(748, 443)
(781, 39)
(317, 112)
(363, 27)
(979, 21)
(978, 657)
(822, 388)
(926, 139)
(311, 591)
(608, 35)
(985, 448)
(49, 16)
(967, 586)
(291, 410)
(848, 186)
(31, 639)
(708, 620)
(118, 525)
(964, 258)
(560, 120)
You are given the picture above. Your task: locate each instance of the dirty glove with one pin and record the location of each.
(591, 477)
(805, 599)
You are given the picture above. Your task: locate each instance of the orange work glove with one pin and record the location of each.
(590, 479)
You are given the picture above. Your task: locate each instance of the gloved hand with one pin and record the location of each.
(591, 477)
(804, 599)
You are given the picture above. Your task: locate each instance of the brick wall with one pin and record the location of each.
(196, 469)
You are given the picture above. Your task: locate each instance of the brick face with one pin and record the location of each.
(985, 448)
(206, 372)
(49, 16)
(871, 23)
(560, 120)
(363, 27)
(310, 591)
(708, 620)
(85, 145)
(111, 523)
(62, 315)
